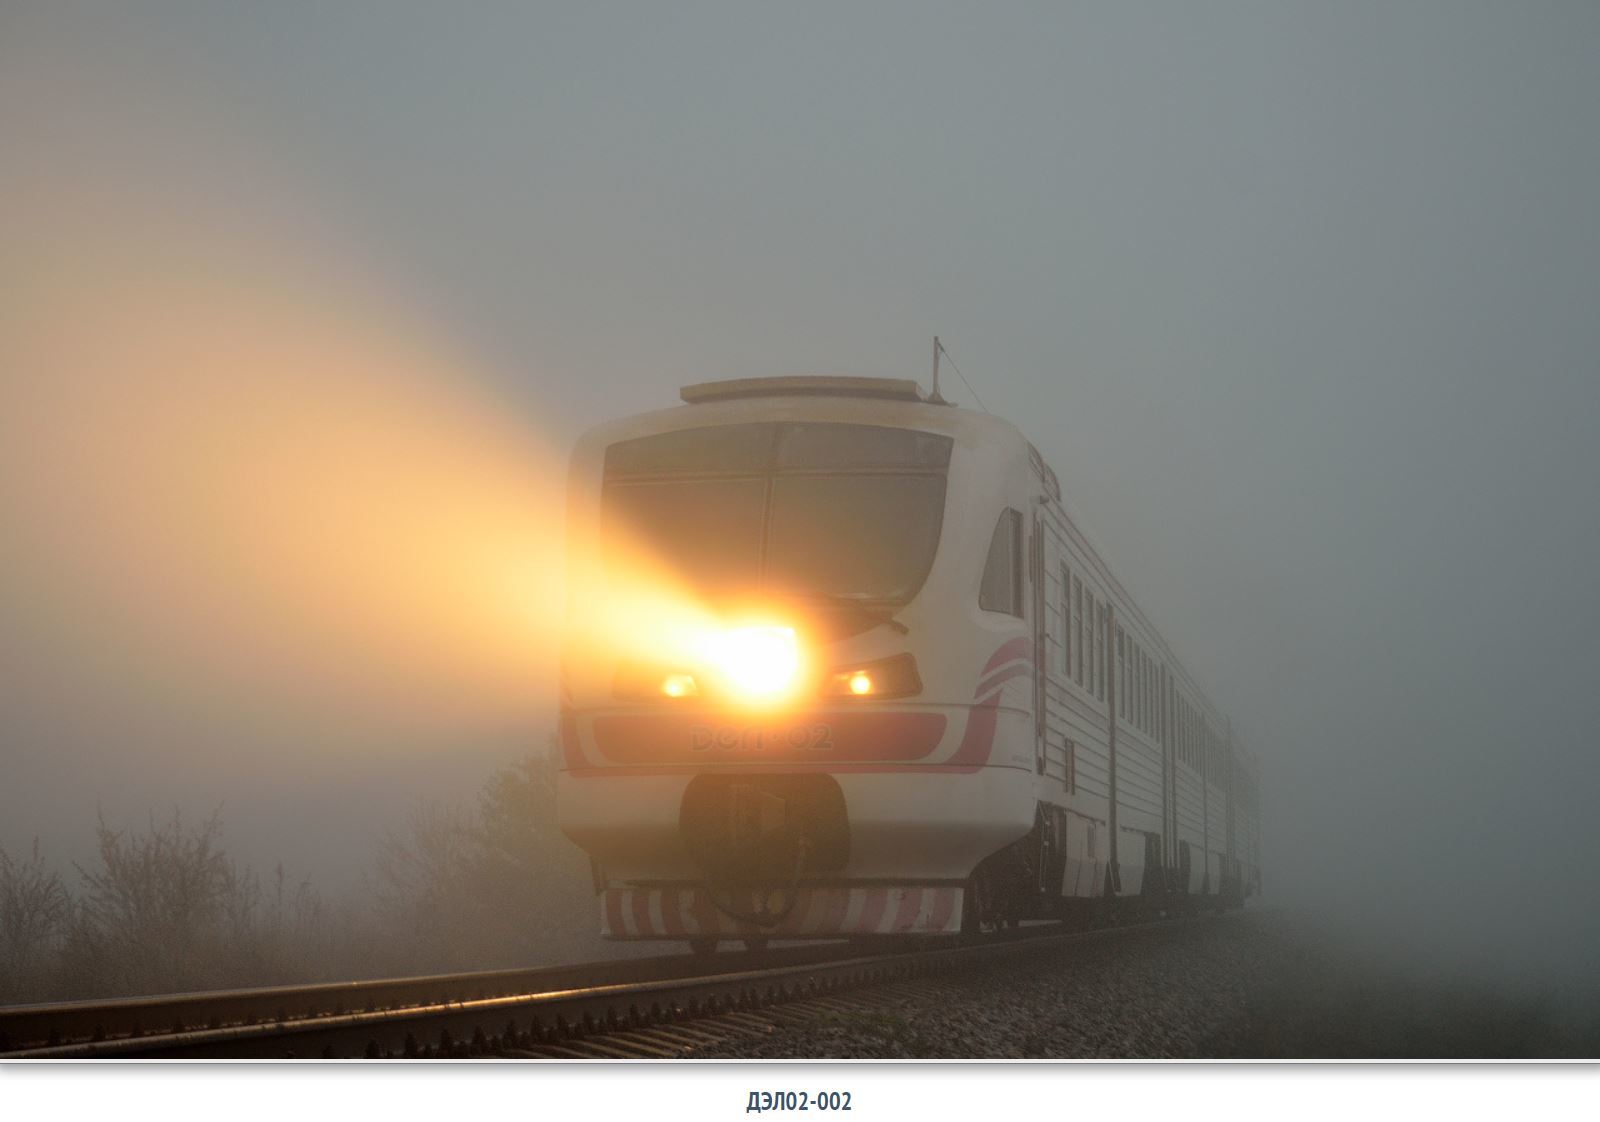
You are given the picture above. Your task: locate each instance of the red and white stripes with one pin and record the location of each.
(665, 913)
(1012, 659)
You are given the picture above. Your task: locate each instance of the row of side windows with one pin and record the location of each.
(1082, 659)
(1082, 638)
(1198, 746)
(1082, 646)
(1138, 675)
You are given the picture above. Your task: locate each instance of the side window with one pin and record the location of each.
(1095, 675)
(1138, 685)
(1133, 681)
(1146, 710)
(1121, 676)
(1149, 693)
(1099, 650)
(1088, 641)
(1001, 590)
(1066, 622)
(1075, 633)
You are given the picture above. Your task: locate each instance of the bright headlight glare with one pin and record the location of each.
(680, 685)
(759, 662)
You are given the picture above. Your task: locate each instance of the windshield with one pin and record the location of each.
(800, 509)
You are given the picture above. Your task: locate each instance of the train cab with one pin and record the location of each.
(837, 663)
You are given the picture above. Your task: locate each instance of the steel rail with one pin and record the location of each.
(462, 1013)
(26, 1028)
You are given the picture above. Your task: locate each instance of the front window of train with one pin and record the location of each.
(840, 511)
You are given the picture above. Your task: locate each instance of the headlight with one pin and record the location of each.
(680, 685)
(761, 663)
(888, 677)
(754, 663)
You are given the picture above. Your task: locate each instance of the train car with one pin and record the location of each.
(860, 674)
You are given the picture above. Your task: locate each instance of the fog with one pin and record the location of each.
(301, 311)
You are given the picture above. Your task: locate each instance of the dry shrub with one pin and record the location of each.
(34, 907)
(499, 887)
(166, 910)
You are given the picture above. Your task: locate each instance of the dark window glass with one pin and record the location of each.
(1122, 678)
(1144, 690)
(865, 536)
(1075, 633)
(1066, 622)
(718, 448)
(865, 446)
(779, 519)
(1001, 590)
(707, 530)
(1133, 683)
(1099, 663)
(1138, 685)
(761, 447)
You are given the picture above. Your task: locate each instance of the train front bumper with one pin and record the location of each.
(806, 911)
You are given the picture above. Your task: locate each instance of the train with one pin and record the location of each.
(876, 683)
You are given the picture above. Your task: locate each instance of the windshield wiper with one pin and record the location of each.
(879, 615)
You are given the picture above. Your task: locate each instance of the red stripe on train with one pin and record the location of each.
(1001, 677)
(710, 737)
(1012, 648)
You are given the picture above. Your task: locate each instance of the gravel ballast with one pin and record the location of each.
(1257, 984)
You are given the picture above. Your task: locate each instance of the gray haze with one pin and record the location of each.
(1299, 301)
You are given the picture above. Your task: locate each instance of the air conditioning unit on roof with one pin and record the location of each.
(804, 385)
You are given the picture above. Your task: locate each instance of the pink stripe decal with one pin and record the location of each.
(702, 737)
(641, 913)
(872, 911)
(906, 908)
(1001, 677)
(1012, 648)
(672, 912)
(833, 918)
(978, 740)
(631, 913)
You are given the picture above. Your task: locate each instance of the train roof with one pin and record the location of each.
(809, 385)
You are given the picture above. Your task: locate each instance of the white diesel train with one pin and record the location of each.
(915, 701)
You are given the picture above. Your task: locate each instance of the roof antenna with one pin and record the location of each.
(938, 349)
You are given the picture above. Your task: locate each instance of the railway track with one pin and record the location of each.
(639, 1009)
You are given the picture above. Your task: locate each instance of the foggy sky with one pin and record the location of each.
(1298, 300)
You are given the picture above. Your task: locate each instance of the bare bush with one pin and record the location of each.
(34, 907)
(166, 910)
(273, 934)
(426, 908)
(541, 879)
(499, 888)
(151, 911)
